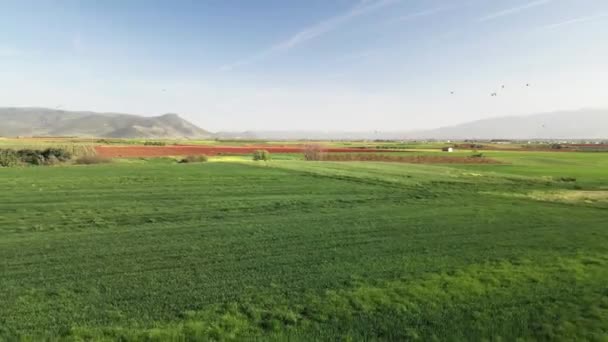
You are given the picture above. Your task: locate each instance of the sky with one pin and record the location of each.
(326, 65)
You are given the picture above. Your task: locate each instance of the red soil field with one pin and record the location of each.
(191, 150)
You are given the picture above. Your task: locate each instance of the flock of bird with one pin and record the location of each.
(495, 93)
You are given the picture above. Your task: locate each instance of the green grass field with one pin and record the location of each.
(236, 250)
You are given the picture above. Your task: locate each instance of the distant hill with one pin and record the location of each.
(576, 124)
(52, 122)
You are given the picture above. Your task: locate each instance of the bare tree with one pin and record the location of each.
(313, 152)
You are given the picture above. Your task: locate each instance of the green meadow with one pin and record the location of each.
(231, 249)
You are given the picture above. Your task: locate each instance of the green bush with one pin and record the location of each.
(261, 155)
(154, 143)
(194, 159)
(8, 158)
(57, 153)
(52, 160)
(33, 157)
(48, 156)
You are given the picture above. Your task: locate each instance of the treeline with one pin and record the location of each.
(49, 156)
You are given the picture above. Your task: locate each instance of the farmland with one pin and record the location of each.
(231, 249)
(155, 151)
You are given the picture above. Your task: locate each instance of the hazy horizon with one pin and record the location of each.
(27, 121)
(297, 130)
(362, 65)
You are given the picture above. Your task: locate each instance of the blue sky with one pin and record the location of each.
(349, 65)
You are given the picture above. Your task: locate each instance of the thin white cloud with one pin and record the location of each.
(513, 10)
(314, 31)
(575, 21)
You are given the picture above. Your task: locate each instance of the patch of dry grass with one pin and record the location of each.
(571, 196)
(416, 159)
(565, 196)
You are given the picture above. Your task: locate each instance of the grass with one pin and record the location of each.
(587, 168)
(147, 249)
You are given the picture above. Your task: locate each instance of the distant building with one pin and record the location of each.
(448, 149)
(501, 141)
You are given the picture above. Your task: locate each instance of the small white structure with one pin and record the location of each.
(448, 149)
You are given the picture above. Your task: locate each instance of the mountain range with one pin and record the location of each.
(583, 124)
(53, 122)
(575, 124)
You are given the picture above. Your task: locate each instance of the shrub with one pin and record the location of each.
(58, 154)
(52, 160)
(477, 155)
(88, 160)
(8, 158)
(313, 152)
(567, 179)
(33, 157)
(154, 143)
(194, 159)
(50, 156)
(261, 155)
